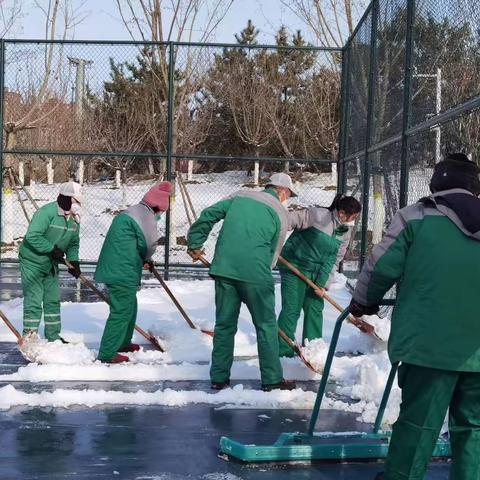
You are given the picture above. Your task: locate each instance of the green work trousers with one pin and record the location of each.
(120, 324)
(260, 301)
(41, 296)
(427, 394)
(297, 295)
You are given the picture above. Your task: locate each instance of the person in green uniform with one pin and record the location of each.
(316, 248)
(52, 234)
(128, 248)
(255, 224)
(432, 249)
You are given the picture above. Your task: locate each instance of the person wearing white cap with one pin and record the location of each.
(52, 236)
(255, 226)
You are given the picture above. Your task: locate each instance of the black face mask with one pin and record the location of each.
(64, 202)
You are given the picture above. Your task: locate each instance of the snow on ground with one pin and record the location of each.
(360, 375)
(102, 201)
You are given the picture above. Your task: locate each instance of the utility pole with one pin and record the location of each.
(80, 64)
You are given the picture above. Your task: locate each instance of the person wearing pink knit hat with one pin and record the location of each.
(128, 248)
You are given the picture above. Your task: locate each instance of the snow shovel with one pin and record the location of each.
(9, 324)
(297, 349)
(176, 302)
(362, 325)
(89, 284)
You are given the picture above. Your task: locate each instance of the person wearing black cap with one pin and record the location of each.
(432, 251)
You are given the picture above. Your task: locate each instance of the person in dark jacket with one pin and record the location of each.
(432, 252)
(316, 248)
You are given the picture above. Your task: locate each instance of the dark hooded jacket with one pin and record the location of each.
(432, 249)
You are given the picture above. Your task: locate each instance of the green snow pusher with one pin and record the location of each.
(316, 446)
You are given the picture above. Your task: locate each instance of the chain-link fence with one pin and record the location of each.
(119, 116)
(410, 95)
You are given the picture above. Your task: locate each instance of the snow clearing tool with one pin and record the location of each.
(297, 349)
(177, 304)
(293, 345)
(322, 446)
(11, 327)
(362, 325)
(89, 284)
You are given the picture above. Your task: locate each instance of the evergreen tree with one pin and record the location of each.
(248, 36)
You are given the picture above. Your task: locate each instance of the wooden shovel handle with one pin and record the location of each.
(88, 283)
(176, 302)
(11, 327)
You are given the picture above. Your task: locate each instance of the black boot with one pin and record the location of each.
(283, 385)
(63, 340)
(220, 385)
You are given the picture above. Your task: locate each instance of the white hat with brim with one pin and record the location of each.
(282, 180)
(72, 189)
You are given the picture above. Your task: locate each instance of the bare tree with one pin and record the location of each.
(43, 85)
(10, 15)
(329, 22)
(174, 20)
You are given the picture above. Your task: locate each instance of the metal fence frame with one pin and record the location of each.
(408, 130)
(402, 137)
(169, 155)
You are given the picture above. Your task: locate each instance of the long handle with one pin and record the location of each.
(88, 283)
(359, 323)
(184, 198)
(11, 327)
(176, 302)
(187, 194)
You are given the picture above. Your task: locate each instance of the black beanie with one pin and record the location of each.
(456, 171)
(64, 202)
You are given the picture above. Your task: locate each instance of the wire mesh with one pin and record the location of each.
(442, 65)
(99, 113)
(357, 87)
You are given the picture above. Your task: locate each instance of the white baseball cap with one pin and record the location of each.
(282, 180)
(71, 189)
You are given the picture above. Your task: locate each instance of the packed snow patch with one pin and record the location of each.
(39, 350)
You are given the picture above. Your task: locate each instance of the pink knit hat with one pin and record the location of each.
(158, 196)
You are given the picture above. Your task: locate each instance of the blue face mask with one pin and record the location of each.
(158, 216)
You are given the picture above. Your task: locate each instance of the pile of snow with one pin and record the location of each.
(38, 350)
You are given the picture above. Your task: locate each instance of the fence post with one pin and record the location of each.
(2, 83)
(369, 132)
(344, 102)
(170, 147)
(407, 103)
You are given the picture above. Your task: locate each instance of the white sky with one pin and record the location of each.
(104, 23)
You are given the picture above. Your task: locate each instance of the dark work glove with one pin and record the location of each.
(56, 254)
(148, 265)
(358, 310)
(75, 269)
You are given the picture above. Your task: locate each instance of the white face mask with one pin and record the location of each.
(351, 223)
(76, 211)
